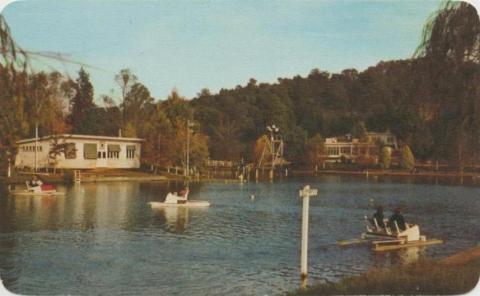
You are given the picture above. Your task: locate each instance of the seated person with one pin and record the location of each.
(182, 196)
(378, 218)
(399, 219)
(35, 182)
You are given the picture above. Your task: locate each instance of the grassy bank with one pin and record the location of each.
(423, 277)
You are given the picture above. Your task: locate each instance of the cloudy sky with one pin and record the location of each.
(192, 45)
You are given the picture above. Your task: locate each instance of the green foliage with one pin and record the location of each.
(385, 157)
(81, 102)
(359, 130)
(408, 160)
(313, 149)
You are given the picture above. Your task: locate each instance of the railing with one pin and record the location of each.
(219, 163)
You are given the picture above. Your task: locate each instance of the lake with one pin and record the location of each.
(103, 239)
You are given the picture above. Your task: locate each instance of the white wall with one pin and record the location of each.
(27, 158)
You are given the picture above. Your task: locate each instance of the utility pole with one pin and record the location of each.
(272, 129)
(189, 125)
(36, 145)
(305, 194)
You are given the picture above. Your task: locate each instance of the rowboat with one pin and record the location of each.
(179, 200)
(388, 239)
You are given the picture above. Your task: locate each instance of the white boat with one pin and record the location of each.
(37, 191)
(175, 200)
(387, 239)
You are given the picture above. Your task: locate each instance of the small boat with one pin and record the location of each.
(179, 200)
(46, 189)
(386, 239)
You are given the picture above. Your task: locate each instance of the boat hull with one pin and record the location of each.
(41, 193)
(188, 204)
(382, 247)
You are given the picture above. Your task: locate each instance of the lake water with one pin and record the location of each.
(103, 239)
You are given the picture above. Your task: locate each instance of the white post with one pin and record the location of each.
(9, 172)
(273, 155)
(304, 253)
(305, 193)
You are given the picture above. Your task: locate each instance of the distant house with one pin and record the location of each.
(348, 149)
(68, 151)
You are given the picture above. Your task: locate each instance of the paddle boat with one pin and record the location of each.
(44, 189)
(179, 200)
(388, 239)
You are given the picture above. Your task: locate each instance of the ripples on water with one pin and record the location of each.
(104, 239)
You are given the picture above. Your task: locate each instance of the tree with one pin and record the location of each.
(226, 144)
(314, 149)
(125, 80)
(408, 160)
(452, 33)
(177, 108)
(137, 101)
(260, 147)
(359, 130)
(385, 157)
(81, 102)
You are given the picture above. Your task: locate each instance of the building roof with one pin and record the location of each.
(83, 137)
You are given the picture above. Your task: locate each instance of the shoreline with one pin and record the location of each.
(377, 172)
(455, 274)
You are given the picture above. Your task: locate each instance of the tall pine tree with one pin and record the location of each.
(81, 102)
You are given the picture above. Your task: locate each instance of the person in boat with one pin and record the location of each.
(182, 195)
(378, 218)
(35, 182)
(398, 219)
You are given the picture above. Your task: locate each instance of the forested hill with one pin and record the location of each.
(431, 102)
(424, 104)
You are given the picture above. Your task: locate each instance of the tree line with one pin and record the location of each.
(430, 102)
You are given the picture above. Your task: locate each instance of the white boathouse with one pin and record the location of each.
(67, 151)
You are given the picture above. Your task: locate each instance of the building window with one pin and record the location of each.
(89, 151)
(70, 151)
(130, 151)
(113, 151)
(332, 151)
(345, 150)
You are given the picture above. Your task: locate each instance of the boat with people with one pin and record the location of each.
(388, 235)
(40, 190)
(179, 200)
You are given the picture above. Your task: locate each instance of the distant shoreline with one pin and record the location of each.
(377, 172)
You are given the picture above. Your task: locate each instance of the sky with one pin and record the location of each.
(195, 44)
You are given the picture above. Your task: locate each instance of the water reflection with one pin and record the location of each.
(84, 207)
(173, 219)
(400, 257)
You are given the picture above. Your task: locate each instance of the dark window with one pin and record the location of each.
(89, 151)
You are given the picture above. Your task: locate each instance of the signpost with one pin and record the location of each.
(305, 193)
